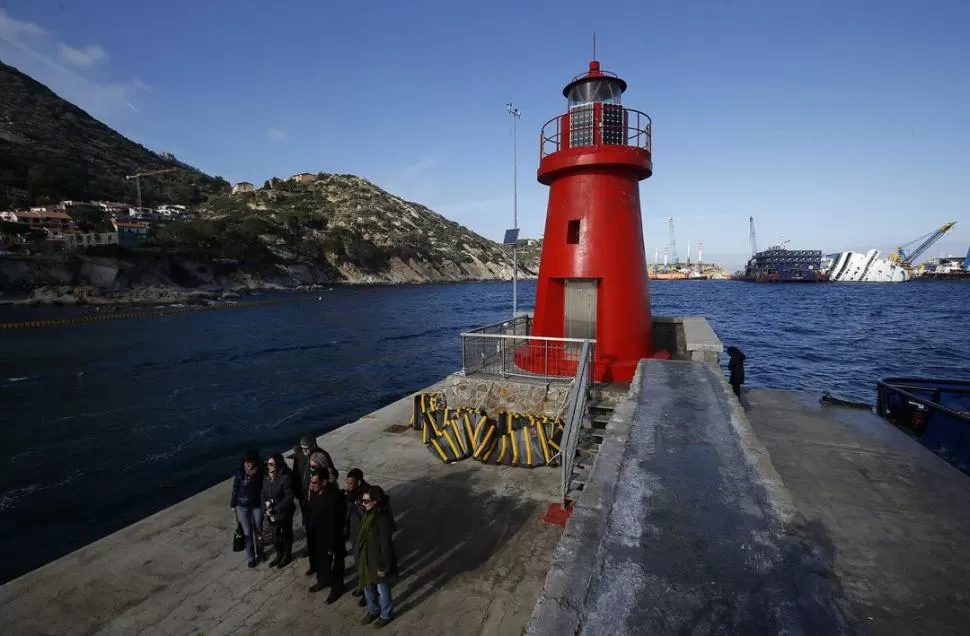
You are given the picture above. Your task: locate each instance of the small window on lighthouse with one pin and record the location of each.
(572, 232)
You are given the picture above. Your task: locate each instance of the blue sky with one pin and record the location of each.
(838, 125)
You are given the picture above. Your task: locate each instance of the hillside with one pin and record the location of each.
(51, 150)
(342, 228)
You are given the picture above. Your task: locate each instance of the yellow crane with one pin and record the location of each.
(906, 260)
(147, 173)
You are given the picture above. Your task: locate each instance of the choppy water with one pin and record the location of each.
(105, 423)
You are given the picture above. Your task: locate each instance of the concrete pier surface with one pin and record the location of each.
(892, 517)
(680, 529)
(783, 516)
(471, 543)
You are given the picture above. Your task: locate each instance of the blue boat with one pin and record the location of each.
(936, 412)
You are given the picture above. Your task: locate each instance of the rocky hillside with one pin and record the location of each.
(342, 228)
(50, 150)
(338, 229)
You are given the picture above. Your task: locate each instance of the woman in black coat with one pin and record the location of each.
(280, 505)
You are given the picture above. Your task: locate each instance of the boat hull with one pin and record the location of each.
(936, 412)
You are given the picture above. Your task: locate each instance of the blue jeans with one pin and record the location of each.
(371, 594)
(251, 520)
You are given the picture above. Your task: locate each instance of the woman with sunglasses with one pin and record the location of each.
(376, 559)
(280, 506)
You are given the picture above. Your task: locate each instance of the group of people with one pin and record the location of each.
(358, 516)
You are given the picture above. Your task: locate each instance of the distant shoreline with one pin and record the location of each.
(64, 295)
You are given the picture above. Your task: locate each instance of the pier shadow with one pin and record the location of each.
(446, 529)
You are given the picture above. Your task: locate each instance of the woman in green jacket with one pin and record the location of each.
(376, 560)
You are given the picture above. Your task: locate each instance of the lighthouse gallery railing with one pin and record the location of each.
(501, 348)
(596, 125)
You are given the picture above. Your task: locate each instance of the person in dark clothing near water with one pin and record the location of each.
(326, 527)
(736, 367)
(246, 500)
(301, 469)
(280, 505)
(376, 558)
(356, 487)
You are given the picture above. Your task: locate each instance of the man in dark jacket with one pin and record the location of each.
(736, 367)
(356, 487)
(301, 470)
(327, 515)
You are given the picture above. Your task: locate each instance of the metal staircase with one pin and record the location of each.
(600, 402)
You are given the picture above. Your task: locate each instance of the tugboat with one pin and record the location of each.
(936, 412)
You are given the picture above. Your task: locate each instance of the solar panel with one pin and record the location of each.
(511, 237)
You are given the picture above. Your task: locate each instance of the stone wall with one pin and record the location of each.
(495, 394)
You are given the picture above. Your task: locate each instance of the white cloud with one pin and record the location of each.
(275, 133)
(81, 57)
(35, 51)
(11, 29)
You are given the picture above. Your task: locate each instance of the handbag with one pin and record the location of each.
(238, 540)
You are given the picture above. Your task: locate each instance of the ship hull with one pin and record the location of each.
(863, 267)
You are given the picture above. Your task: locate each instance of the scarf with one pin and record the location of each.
(363, 570)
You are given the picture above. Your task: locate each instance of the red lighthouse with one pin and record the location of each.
(593, 275)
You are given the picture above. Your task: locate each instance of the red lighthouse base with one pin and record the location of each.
(593, 275)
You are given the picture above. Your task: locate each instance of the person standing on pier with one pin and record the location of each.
(376, 558)
(356, 487)
(736, 367)
(247, 488)
(325, 528)
(280, 506)
(301, 469)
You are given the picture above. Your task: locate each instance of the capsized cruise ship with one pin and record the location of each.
(859, 267)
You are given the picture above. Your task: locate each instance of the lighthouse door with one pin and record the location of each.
(580, 308)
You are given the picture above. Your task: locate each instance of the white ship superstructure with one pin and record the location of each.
(859, 267)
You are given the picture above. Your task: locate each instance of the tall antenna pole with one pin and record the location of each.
(594, 45)
(515, 113)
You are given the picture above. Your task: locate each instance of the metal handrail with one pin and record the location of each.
(574, 420)
(637, 132)
(540, 338)
(502, 326)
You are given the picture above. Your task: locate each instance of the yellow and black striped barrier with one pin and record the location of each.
(128, 315)
(513, 439)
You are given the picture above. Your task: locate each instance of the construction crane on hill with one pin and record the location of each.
(906, 260)
(148, 173)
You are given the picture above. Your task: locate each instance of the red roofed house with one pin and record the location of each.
(131, 233)
(50, 219)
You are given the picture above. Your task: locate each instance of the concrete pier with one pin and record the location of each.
(781, 517)
(775, 515)
(472, 546)
(891, 518)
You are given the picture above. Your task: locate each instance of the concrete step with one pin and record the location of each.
(600, 406)
(599, 420)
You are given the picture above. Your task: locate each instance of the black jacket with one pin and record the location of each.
(247, 489)
(736, 367)
(326, 518)
(355, 510)
(280, 492)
